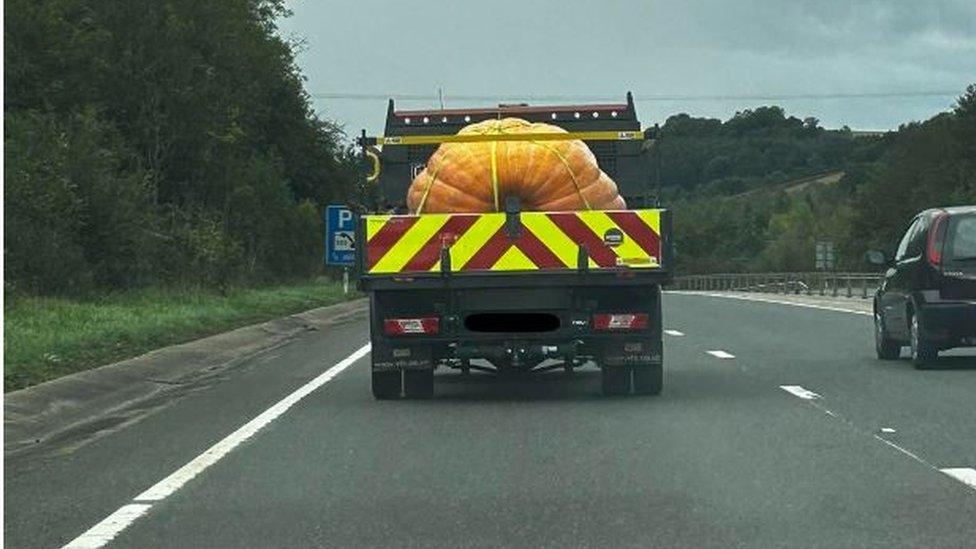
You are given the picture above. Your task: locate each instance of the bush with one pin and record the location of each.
(75, 215)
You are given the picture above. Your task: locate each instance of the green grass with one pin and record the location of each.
(45, 338)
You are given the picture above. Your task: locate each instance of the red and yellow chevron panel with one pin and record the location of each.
(480, 242)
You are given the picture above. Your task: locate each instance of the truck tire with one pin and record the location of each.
(615, 380)
(924, 353)
(648, 380)
(386, 384)
(418, 383)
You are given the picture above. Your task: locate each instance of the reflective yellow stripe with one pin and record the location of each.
(488, 224)
(652, 218)
(549, 234)
(628, 250)
(513, 260)
(410, 243)
(471, 241)
(374, 223)
(607, 135)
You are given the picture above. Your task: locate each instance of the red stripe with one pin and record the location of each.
(637, 229)
(537, 252)
(577, 231)
(430, 252)
(490, 252)
(386, 237)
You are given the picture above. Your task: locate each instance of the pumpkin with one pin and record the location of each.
(543, 175)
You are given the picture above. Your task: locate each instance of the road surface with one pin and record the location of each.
(777, 428)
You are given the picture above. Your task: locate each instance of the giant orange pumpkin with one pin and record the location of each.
(544, 175)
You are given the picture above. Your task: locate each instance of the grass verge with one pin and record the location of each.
(45, 338)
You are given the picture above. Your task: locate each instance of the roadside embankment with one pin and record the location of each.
(76, 408)
(46, 338)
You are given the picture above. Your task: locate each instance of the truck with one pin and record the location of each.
(514, 291)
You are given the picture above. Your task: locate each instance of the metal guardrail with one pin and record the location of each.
(861, 285)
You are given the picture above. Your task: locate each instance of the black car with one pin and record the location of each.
(928, 298)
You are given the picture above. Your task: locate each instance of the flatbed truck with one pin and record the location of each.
(514, 291)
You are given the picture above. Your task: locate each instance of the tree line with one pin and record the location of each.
(731, 215)
(153, 142)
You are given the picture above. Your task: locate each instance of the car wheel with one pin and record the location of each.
(418, 383)
(615, 380)
(386, 384)
(886, 348)
(648, 380)
(924, 352)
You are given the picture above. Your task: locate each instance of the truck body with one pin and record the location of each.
(514, 290)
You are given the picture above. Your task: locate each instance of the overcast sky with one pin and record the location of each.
(697, 51)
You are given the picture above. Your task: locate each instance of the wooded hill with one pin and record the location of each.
(724, 181)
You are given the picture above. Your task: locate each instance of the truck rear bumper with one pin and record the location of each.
(518, 352)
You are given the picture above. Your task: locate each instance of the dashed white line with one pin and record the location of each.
(111, 526)
(721, 354)
(674, 333)
(965, 475)
(799, 391)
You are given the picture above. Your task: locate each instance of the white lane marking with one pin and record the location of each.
(721, 354)
(105, 531)
(965, 475)
(111, 526)
(799, 391)
(674, 333)
(776, 301)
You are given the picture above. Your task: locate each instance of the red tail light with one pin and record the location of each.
(411, 326)
(936, 239)
(619, 321)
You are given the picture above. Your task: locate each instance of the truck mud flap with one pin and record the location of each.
(401, 357)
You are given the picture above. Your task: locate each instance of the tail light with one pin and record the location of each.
(619, 321)
(411, 326)
(936, 239)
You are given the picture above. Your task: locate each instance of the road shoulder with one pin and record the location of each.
(83, 405)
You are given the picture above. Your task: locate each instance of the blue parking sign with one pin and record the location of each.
(340, 235)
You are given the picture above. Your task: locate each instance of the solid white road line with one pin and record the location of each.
(105, 531)
(721, 354)
(674, 333)
(111, 526)
(965, 475)
(796, 390)
(776, 301)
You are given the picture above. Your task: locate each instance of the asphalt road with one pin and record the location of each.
(724, 458)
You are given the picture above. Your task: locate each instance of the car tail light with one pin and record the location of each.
(411, 326)
(619, 321)
(936, 239)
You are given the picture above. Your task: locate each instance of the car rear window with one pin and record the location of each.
(961, 237)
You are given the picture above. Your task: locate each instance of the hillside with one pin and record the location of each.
(757, 191)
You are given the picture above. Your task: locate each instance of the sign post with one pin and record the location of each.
(340, 240)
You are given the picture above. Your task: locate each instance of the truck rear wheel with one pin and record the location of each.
(615, 380)
(648, 380)
(418, 383)
(386, 384)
